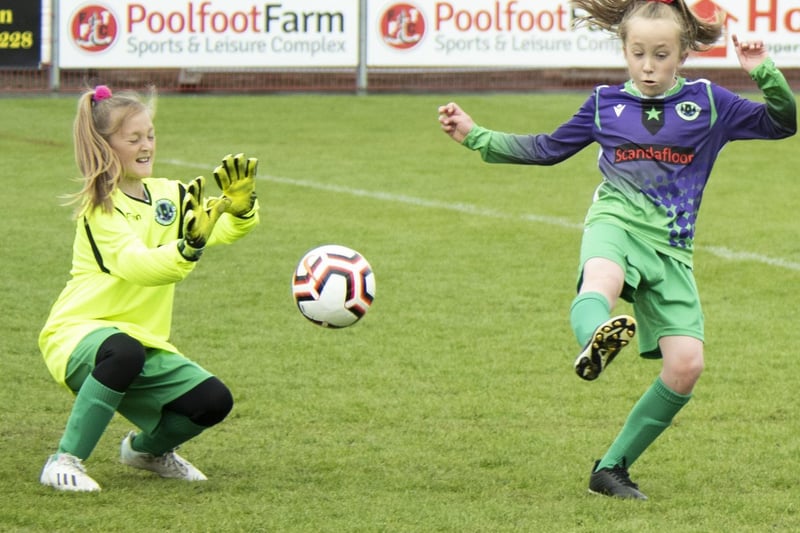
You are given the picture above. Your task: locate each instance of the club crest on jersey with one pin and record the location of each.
(165, 211)
(688, 110)
(653, 115)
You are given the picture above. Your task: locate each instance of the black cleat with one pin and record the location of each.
(608, 339)
(614, 482)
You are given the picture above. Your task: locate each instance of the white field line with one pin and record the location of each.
(469, 209)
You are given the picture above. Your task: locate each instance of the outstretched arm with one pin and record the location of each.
(530, 149)
(455, 122)
(776, 118)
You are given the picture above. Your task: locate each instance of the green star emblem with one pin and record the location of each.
(653, 114)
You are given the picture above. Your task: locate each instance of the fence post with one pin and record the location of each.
(361, 82)
(55, 71)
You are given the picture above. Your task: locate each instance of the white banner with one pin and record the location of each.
(415, 33)
(538, 33)
(208, 33)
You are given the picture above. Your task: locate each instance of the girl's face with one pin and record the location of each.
(135, 145)
(653, 53)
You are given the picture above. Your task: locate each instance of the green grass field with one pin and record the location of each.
(452, 406)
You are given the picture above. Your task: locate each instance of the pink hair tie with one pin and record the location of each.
(101, 92)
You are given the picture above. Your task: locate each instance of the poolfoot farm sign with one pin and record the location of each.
(221, 33)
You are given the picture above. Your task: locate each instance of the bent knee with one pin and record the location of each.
(219, 409)
(682, 373)
(692, 368)
(206, 405)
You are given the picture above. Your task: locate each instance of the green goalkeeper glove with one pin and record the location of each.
(198, 219)
(236, 176)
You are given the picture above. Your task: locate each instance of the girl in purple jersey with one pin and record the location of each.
(659, 135)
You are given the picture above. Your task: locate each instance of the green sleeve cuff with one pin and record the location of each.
(778, 95)
(477, 138)
(189, 252)
(764, 71)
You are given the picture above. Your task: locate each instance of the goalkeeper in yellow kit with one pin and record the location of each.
(107, 336)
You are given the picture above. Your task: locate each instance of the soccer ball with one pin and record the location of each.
(333, 286)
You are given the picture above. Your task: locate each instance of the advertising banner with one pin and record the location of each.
(208, 33)
(539, 33)
(20, 33)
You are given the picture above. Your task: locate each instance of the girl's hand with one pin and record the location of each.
(750, 53)
(454, 121)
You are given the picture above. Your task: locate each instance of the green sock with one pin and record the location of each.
(172, 430)
(651, 415)
(93, 409)
(588, 311)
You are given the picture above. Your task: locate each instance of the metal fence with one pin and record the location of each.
(38, 81)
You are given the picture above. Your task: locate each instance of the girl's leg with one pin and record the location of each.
(186, 417)
(181, 419)
(101, 380)
(600, 336)
(601, 285)
(655, 410)
(119, 360)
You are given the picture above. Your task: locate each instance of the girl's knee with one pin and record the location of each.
(683, 363)
(689, 371)
(220, 407)
(206, 405)
(119, 360)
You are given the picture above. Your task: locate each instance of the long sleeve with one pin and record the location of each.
(230, 228)
(536, 149)
(108, 243)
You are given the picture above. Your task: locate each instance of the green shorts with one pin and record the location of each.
(662, 290)
(165, 377)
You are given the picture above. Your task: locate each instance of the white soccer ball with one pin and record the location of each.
(333, 286)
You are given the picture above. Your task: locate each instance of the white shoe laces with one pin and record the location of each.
(71, 462)
(171, 461)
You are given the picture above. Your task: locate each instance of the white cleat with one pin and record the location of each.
(64, 471)
(170, 465)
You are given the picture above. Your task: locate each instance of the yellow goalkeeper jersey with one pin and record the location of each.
(125, 265)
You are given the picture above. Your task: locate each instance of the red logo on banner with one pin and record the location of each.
(402, 26)
(93, 28)
(710, 10)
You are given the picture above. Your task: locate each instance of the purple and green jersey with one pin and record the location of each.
(656, 154)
